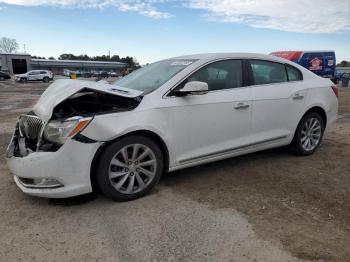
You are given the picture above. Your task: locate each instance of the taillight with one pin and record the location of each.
(335, 90)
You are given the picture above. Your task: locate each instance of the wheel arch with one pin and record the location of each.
(321, 111)
(150, 134)
(316, 108)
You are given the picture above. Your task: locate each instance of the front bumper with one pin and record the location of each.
(70, 166)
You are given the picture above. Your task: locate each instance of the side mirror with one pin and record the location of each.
(194, 87)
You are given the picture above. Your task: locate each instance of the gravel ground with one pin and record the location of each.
(267, 206)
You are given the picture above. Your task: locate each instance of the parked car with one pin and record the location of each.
(112, 74)
(166, 116)
(4, 76)
(321, 63)
(337, 76)
(104, 74)
(86, 74)
(35, 75)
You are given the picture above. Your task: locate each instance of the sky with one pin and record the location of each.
(156, 29)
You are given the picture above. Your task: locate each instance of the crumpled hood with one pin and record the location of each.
(63, 88)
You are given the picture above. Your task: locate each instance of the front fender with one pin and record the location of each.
(109, 127)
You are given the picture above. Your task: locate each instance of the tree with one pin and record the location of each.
(67, 57)
(52, 58)
(130, 61)
(37, 57)
(343, 64)
(115, 58)
(8, 45)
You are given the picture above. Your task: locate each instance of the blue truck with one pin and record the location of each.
(321, 63)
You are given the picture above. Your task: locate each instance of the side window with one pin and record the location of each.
(42, 72)
(293, 74)
(33, 73)
(265, 72)
(220, 75)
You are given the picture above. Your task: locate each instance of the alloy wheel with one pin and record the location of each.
(132, 168)
(311, 134)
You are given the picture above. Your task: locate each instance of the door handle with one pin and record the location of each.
(298, 97)
(241, 106)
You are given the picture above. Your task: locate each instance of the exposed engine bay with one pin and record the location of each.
(30, 134)
(89, 102)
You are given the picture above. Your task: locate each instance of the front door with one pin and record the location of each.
(213, 123)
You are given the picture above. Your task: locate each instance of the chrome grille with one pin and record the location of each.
(30, 127)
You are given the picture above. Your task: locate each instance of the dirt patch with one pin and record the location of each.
(304, 202)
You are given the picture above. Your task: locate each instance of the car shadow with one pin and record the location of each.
(226, 165)
(73, 201)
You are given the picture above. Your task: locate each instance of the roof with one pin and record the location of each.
(213, 56)
(22, 54)
(47, 63)
(76, 61)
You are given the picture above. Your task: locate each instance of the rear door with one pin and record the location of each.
(278, 100)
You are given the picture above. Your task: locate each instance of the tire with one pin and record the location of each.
(2, 78)
(299, 145)
(46, 79)
(24, 80)
(119, 178)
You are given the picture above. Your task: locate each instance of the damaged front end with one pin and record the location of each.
(26, 137)
(65, 117)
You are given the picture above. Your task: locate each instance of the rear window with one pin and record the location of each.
(293, 73)
(266, 72)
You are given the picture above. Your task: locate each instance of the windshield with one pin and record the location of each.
(151, 77)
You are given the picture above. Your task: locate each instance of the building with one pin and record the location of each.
(15, 63)
(22, 63)
(58, 66)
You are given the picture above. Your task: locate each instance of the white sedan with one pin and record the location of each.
(169, 115)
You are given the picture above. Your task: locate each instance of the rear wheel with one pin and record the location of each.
(308, 135)
(129, 168)
(46, 79)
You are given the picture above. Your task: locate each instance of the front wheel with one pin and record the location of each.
(46, 79)
(129, 168)
(308, 135)
(23, 80)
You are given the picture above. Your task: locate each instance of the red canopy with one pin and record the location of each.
(290, 55)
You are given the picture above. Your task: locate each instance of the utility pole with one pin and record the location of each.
(109, 55)
(24, 48)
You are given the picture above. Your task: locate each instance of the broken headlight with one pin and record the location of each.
(58, 131)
